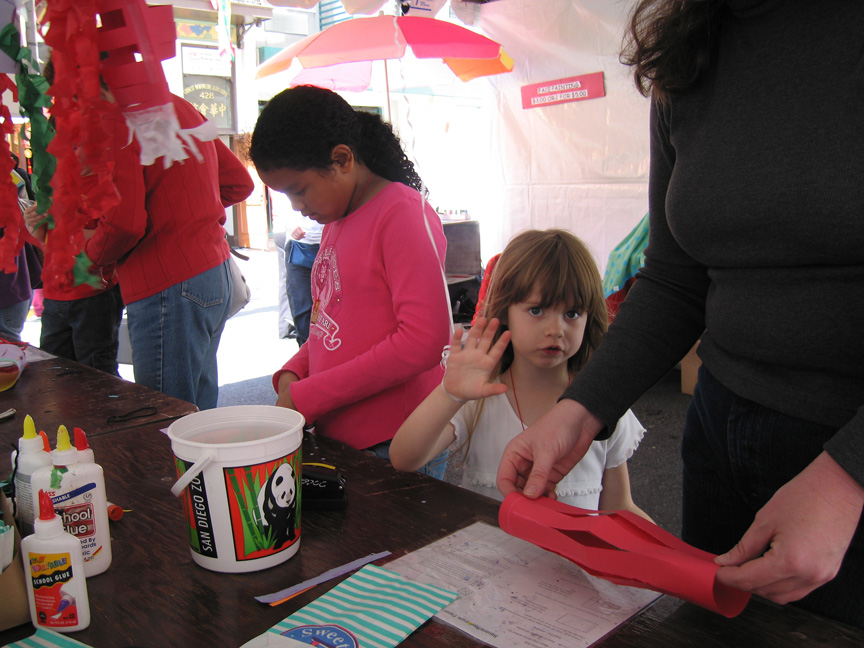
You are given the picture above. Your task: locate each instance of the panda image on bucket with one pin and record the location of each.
(278, 505)
(264, 501)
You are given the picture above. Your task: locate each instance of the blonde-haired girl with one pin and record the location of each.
(544, 315)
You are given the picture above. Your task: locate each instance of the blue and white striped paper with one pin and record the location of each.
(47, 639)
(378, 607)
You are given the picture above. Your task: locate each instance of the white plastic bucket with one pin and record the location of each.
(238, 474)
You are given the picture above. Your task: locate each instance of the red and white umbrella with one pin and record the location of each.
(468, 54)
(421, 7)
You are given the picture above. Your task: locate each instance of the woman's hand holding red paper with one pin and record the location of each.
(536, 460)
(799, 538)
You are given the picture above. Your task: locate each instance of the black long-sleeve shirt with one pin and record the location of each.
(756, 199)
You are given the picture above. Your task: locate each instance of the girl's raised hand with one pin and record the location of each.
(470, 366)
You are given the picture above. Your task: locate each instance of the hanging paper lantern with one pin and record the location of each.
(136, 38)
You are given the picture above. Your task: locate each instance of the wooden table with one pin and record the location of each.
(153, 595)
(57, 390)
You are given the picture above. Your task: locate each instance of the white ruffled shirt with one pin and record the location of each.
(499, 424)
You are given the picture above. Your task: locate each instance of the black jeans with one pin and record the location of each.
(84, 330)
(737, 454)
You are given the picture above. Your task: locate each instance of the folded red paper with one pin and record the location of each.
(623, 548)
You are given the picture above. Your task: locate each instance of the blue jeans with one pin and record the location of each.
(84, 330)
(436, 467)
(12, 320)
(736, 455)
(175, 335)
(298, 266)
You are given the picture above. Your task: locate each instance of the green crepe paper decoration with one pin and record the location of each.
(81, 272)
(32, 98)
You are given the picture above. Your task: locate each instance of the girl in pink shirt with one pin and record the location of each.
(381, 314)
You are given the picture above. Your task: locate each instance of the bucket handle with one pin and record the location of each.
(187, 477)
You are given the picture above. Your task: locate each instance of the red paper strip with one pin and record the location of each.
(623, 548)
(11, 223)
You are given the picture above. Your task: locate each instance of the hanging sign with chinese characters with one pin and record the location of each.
(207, 84)
(549, 93)
(211, 96)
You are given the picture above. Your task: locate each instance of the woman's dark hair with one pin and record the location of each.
(299, 127)
(670, 43)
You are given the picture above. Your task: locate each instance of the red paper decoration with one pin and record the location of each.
(78, 145)
(623, 548)
(136, 38)
(10, 214)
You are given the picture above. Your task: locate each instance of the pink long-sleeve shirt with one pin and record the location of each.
(383, 319)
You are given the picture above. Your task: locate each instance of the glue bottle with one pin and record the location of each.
(85, 452)
(85, 455)
(30, 456)
(54, 568)
(78, 492)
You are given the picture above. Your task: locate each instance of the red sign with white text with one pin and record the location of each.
(549, 93)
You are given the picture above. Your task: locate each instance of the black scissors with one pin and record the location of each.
(142, 412)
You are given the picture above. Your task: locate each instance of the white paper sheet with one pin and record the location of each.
(35, 354)
(513, 594)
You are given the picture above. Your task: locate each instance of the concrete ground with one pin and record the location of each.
(251, 350)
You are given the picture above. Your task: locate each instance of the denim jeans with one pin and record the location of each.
(84, 330)
(298, 266)
(12, 320)
(736, 455)
(436, 467)
(175, 335)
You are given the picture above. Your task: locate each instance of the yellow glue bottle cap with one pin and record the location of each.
(30, 442)
(29, 428)
(65, 453)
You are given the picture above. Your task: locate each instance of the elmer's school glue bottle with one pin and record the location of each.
(54, 568)
(85, 455)
(85, 452)
(78, 493)
(30, 456)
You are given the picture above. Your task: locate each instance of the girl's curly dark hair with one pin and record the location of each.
(299, 127)
(670, 43)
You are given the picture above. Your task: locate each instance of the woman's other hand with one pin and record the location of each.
(799, 538)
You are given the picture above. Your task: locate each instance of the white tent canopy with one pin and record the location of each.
(582, 166)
